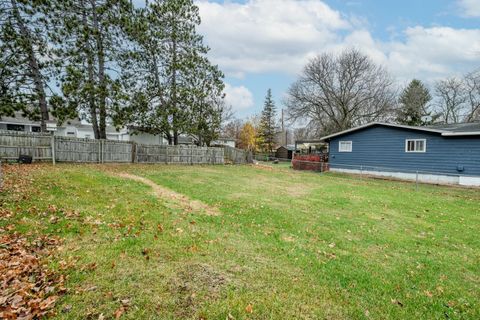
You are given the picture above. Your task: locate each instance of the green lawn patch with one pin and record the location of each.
(284, 245)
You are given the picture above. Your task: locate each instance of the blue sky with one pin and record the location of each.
(262, 44)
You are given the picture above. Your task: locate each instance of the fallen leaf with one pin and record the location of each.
(249, 308)
(119, 312)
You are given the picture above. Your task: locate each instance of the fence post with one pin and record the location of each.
(416, 181)
(53, 147)
(191, 156)
(134, 151)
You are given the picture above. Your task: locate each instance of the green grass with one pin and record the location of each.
(290, 244)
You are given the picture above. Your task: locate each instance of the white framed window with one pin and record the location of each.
(345, 146)
(415, 145)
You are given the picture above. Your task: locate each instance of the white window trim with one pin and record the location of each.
(340, 143)
(415, 140)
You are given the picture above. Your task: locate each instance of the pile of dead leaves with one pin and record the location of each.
(28, 289)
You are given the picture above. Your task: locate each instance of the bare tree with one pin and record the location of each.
(451, 99)
(301, 133)
(335, 93)
(472, 85)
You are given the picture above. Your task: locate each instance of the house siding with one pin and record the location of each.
(383, 148)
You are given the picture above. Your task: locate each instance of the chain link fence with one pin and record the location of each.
(410, 175)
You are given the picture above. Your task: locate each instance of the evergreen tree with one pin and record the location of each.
(87, 36)
(268, 124)
(175, 88)
(23, 63)
(414, 104)
(206, 107)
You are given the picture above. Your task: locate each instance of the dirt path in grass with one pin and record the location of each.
(181, 200)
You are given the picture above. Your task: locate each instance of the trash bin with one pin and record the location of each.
(25, 159)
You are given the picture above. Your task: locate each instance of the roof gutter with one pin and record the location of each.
(459, 134)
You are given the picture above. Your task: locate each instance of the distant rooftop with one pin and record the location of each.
(447, 130)
(458, 127)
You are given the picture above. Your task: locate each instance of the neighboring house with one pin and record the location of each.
(19, 123)
(76, 129)
(444, 154)
(147, 138)
(285, 152)
(85, 131)
(223, 141)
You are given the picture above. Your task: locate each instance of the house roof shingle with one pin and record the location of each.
(459, 129)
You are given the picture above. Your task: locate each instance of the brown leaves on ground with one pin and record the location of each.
(28, 289)
(17, 178)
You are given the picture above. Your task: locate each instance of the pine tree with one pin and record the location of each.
(414, 104)
(207, 109)
(175, 88)
(23, 44)
(268, 123)
(87, 36)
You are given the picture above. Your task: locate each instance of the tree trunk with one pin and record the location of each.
(91, 77)
(173, 99)
(101, 74)
(34, 68)
(169, 137)
(175, 137)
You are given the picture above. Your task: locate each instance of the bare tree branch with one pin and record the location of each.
(335, 93)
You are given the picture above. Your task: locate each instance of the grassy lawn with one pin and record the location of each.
(285, 245)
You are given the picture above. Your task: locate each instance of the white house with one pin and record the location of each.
(19, 123)
(223, 141)
(72, 128)
(76, 129)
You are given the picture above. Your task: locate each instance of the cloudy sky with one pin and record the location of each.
(264, 43)
(261, 44)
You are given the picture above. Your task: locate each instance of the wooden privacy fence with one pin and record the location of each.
(237, 156)
(177, 154)
(41, 146)
(13, 144)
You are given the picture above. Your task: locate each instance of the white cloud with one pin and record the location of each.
(267, 35)
(470, 8)
(436, 52)
(240, 98)
(280, 36)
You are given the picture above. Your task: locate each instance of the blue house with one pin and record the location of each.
(442, 153)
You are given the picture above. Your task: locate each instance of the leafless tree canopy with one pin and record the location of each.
(451, 99)
(335, 93)
(472, 85)
(458, 99)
